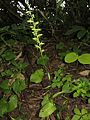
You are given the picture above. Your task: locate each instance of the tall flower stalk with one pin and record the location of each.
(35, 31)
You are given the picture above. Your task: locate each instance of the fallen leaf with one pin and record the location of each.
(84, 73)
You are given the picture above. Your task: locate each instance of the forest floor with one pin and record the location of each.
(31, 97)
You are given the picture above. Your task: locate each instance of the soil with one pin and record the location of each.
(30, 99)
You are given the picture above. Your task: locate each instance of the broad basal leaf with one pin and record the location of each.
(47, 109)
(71, 57)
(84, 58)
(37, 76)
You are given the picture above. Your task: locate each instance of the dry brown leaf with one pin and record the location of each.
(84, 73)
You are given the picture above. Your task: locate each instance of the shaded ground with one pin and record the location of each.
(31, 98)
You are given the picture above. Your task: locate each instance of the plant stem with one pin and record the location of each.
(55, 95)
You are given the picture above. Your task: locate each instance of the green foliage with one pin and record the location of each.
(84, 58)
(8, 106)
(89, 100)
(81, 115)
(8, 55)
(20, 66)
(48, 107)
(3, 107)
(60, 47)
(80, 31)
(81, 88)
(42, 60)
(37, 76)
(5, 86)
(19, 85)
(13, 81)
(12, 103)
(78, 87)
(72, 57)
(56, 82)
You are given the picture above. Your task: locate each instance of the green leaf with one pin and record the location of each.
(89, 100)
(75, 94)
(8, 55)
(84, 111)
(37, 76)
(85, 117)
(76, 117)
(43, 60)
(20, 65)
(47, 109)
(3, 107)
(7, 73)
(84, 58)
(56, 84)
(77, 111)
(81, 34)
(45, 100)
(18, 86)
(66, 87)
(5, 86)
(71, 57)
(13, 118)
(12, 104)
